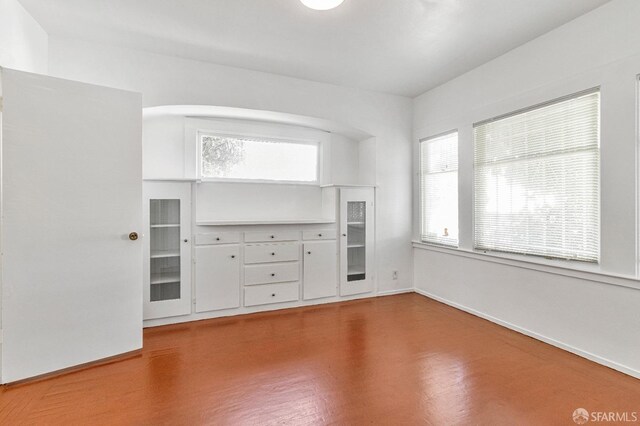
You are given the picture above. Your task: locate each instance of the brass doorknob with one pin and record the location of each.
(133, 236)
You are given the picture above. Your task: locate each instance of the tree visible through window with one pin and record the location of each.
(244, 158)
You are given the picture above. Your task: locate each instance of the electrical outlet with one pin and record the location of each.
(395, 275)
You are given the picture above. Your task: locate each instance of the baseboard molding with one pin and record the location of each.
(584, 354)
(75, 368)
(392, 292)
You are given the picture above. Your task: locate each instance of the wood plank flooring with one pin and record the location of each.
(396, 360)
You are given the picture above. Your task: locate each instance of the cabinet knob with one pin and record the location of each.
(308, 252)
(273, 254)
(273, 295)
(233, 256)
(319, 235)
(273, 236)
(344, 235)
(133, 236)
(217, 238)
(186, 240)
(273, 275)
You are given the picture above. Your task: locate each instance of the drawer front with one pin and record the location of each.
(323, 234)
(217, 238)
(256, 237)
(264, 253)
(271, 273)
(270, 293)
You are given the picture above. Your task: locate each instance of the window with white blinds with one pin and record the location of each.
(537, 181)
(439, 189)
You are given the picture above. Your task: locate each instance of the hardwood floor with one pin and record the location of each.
(396, 360)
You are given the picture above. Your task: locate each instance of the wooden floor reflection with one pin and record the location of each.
(396, 360)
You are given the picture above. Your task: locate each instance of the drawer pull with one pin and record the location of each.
(273, 236)
(217, 238)
(273, 254)
(319, 235)
(233, 256)
(273, 295)
(273, 275)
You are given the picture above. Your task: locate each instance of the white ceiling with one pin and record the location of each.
(397, 46)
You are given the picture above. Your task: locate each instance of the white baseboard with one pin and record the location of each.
(584, 354)
(392, 292)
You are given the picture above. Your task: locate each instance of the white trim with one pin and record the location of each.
(637, 174)
(244, 310)
(584, 354)
(264, 222)
(160, 179)
(568, 269)
(347, 185)
(393, 292)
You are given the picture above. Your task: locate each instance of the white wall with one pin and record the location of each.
(23, 42)
(165, 80)
(601, 48)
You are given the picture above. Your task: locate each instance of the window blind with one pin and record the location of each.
(439, 189)
(537, 181)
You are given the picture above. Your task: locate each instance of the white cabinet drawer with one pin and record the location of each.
(271, 273)
(217, 238)
(263, 253)
(270, 293)
(323, 234)
(256, 237)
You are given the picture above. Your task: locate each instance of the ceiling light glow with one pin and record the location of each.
(322, 4)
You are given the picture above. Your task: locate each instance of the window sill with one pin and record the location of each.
(557, 267)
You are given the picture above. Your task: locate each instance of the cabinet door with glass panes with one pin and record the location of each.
(167, 268)
(356, 240)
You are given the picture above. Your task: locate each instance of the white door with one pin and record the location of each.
(167, 249)
(356, 240)
(320, 270)
(71, 195)
(217, 277)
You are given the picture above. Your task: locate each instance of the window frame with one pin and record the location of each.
(531, 257)
(200, 133)
(420, 187)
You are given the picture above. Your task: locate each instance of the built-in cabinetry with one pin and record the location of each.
(167, 268)
(264, 267)
(320, 268)
(243, 267)
(217, 269)
(357, 240)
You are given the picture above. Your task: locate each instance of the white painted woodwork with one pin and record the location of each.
(256, 202)
(322, 234)
(271, 273)
(320, 270)
(180, 191)
(347, 264)
(217, 277)
(264, 253)
(270, 293)
(71, 194)
(266, 236)
(218, 238)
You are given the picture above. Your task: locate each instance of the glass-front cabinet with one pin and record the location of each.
(356, 251)
(167, 250)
